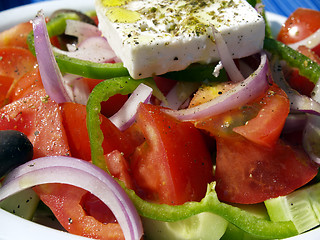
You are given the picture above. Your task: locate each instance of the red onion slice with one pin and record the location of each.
(77, 88)
(81, 30)
(294, 122)
(311, 137)
(126, 115)
(79, 173)
(226, 57)
(49, 70)
(242, 93)
(93, 49)
(180, 94)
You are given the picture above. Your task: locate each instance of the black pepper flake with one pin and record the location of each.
(176, 58)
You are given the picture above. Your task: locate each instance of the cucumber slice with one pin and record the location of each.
(236, 233)
(205, 226)
(22, 204)
(301, 207)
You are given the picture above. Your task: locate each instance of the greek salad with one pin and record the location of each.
(162, 120)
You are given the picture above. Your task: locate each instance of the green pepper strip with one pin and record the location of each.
(262, 228)
(305, 65)
(102, 92)
(56, 26)
(210, 203)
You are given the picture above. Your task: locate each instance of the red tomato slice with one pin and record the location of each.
(260, 121)
(15, 62)
(80, 213)
(27, 84)
(299, 25)
(173, 166)
(74, 121)
(5, 83)
(248, 173)
(16, 36)
(266, 127)
(119, 167)
(40, 119)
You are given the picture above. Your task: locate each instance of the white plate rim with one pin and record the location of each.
(34, 231)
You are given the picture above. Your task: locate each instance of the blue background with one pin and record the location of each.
(283, 7)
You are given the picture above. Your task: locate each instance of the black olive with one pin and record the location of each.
(15, 149)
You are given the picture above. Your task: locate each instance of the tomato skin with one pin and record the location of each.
(5, 83)
(299, 25)
(252, 164)
(266, 127)
(302, 84)
(260, 120)
(119, 168)
(40, 119)
(15, 62)
(72, 207)
(247, 173)
(173, 165)
(74, 121)
(27, 84)
(16, 36)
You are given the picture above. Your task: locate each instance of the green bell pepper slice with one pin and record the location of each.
(305, 65)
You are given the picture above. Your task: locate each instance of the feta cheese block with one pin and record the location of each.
(152, 37)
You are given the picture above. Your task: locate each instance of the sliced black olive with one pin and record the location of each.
(15, 149)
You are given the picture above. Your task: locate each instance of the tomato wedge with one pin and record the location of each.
(173, 165)
(79, 212)
(27, 84)
(252, 163)
(15, 61)
(40, 119)
(299, 25)
(74, 121)
(16, 36)
(248, 173)
(5, 83)
(266, 127)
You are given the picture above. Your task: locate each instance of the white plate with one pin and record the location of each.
(13, 227)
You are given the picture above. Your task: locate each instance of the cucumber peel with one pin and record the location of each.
(301, 207)
(204, 226)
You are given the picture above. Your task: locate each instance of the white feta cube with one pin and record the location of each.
(153, 37)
